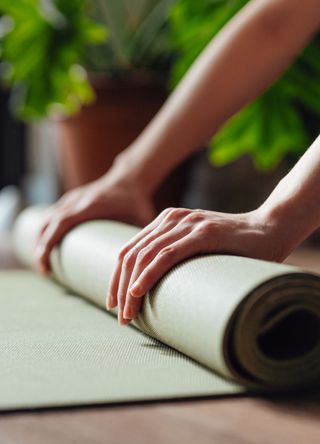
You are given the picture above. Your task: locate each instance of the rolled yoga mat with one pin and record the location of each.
(213, 325)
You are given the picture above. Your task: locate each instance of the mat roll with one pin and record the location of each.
(254, 322)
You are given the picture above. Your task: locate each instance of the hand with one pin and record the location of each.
(110, 197)
(179, 233)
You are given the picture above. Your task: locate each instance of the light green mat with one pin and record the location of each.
(232, 319)
(57, 350)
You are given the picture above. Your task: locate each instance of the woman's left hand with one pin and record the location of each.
(177, 234)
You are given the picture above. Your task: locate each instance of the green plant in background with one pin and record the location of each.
(138, 37)
(45, 44)
(272, 126)
(42, 43)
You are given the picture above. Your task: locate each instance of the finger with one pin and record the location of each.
(148, 229)
(48, 216)
(139, 241)
(124, 279)
(163, 262)
(163, 217)
(41, 232)
(54, 232)
(132, 306)
(166, 221)
(122, 276)
(46, 221)
(111, 301)
(144, 258)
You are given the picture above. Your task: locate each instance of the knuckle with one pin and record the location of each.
(167, 213)
(194, 217)
(128, 259)
(177, 213)
(167, 210)
(167, 253)
(143, 255)
(123, 253)
(167, 225)
(204, 229)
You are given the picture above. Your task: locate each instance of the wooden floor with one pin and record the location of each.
(294, 420)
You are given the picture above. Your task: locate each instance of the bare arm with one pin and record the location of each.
(246, 57)
(250, 52)
(294, 204)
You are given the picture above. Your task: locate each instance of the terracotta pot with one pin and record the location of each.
(91, 140)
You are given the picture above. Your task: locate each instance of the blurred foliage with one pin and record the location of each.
(138, 37)
(272, 126)
(45, 45)
(42, 45)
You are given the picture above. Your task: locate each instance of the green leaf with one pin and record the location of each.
(273, 125)
(43, 52)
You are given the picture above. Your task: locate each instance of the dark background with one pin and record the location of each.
(12, 145)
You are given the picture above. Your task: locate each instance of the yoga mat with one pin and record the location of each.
(225, 324)
(57, 350)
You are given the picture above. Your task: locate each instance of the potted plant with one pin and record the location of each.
(127, 73)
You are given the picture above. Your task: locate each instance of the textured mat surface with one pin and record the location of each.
(250, 321)
(56, 349)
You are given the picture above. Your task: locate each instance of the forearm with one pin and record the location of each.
(246, 57)
(294, 205)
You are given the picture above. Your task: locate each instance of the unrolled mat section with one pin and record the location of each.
(239, 321)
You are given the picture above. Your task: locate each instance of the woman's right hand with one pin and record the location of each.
(110, 197)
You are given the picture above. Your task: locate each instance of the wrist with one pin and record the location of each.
(285, 223)
(131, 169)
(126, 172)
(145, 164)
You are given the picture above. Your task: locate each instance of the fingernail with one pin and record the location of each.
(119, 315)
(135, 289)
(128, 313)
(110, 306)
(110, 303)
